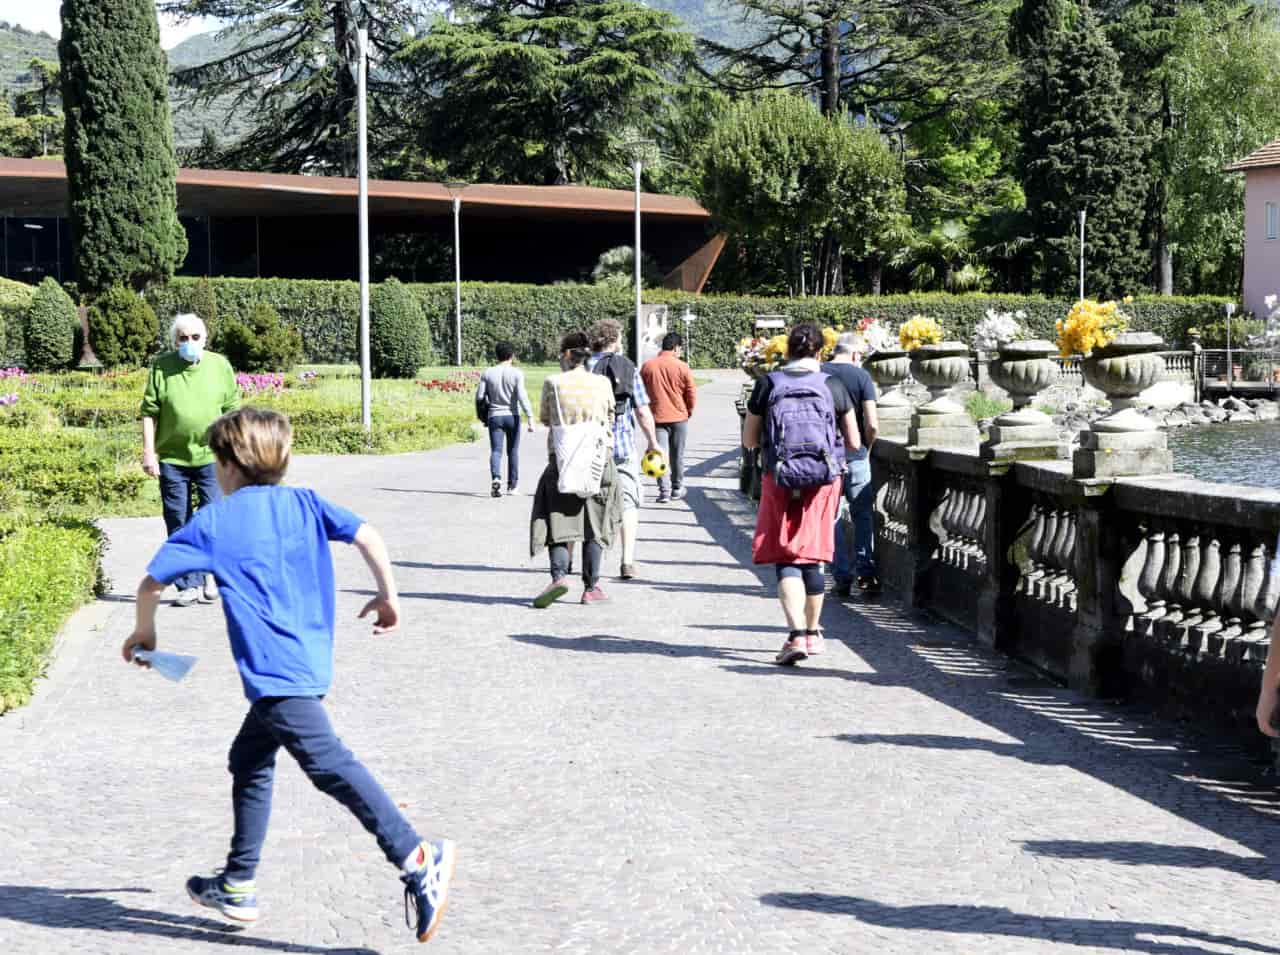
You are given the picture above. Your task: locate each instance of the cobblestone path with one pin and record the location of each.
(635, 777)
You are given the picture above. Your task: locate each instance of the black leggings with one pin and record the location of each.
(812, 575)
(591, 556)
(814, 583)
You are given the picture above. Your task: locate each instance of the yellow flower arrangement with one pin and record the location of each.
(757, 355)
(919, 330)
(1089, 325)
(775, 350)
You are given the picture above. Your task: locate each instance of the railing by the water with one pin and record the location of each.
(1245, 370)
(1157, 588)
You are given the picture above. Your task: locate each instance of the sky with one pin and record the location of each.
(37, 15)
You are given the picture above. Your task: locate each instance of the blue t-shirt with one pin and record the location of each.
(268, 548)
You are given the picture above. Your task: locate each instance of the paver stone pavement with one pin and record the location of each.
(630, 777)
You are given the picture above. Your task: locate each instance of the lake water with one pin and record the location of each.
(1245, 453)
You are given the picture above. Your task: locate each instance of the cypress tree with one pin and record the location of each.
(121, 172)
(1079, 152)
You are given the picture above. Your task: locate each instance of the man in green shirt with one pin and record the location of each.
(187, 390)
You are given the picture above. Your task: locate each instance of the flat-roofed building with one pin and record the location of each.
(266, 224)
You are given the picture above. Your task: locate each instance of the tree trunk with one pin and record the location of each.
(875, 271)
(344, 150)
(1163, 253)
(831, 67)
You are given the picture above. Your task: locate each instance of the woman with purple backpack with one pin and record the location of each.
(804, 421)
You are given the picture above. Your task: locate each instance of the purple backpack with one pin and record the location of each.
(803, 449)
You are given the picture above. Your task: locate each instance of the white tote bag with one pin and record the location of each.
(582, 451)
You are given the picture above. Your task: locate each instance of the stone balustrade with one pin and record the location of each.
(1155, 587)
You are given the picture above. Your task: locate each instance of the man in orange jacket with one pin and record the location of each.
(672, 395)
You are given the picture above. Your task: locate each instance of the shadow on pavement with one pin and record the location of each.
(609, 643)
(1155, 853)
(479, 568)
(87, 910)
(484, 599)
(989, 920)
(1209, 782)
(427, 490)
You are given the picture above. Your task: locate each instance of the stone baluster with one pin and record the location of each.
(1252, 600)
(1231, 601)
(1149, 581)
(1060, 557)
(1039, 585)
(1263, 608)
(1034, 538)
(1208, 596)
(1169, 583)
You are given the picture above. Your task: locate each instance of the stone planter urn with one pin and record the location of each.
(941, 422)
(1125, 442)
(888, 369)
(1023, 369)
(1125, 368)
(940, 368)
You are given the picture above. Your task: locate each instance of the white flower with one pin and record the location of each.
(996, 329)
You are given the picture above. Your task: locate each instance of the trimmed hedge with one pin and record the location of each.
(46, 572)
(260, 342)
(532, 317)
(15, 299)
(51, 327)
(123, 328)
(399, 337)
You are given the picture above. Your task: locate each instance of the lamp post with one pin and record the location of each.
(1231, 310)
(362, 70)
(636, 148)
(688, 318)
(455, 190)
(1082, 255)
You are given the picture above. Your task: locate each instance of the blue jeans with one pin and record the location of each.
(301, 725)
(857, 491)
(504, 427)
(180, 486)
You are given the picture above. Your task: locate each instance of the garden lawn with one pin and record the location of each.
(70, 449)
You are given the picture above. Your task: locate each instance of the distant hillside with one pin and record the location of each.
(718, 20)
(190, 122)
(17, 48)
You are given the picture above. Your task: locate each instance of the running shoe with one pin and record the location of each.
(553, 592)
(795, 649)
(426, 891)
(594, 596)
(495, 488)
(239, 903)
(814, 642)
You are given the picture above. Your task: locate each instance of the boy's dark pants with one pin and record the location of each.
(301, 725)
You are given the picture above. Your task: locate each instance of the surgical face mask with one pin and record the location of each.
(190, 350)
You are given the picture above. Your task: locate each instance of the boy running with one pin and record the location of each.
(267, 547)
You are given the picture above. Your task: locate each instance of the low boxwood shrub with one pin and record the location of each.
(399, 337)
(262, 342)
(15, 299)
(123, 328)
(51, 326)
(46, 572)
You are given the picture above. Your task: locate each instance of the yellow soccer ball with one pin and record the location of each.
(653, 464)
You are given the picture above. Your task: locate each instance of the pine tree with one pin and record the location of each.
(1079, 153)
(293, 75)
(121, 172)
(543, 93)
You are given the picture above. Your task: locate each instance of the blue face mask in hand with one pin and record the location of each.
(191, 351)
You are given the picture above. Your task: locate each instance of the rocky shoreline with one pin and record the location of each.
(1075, 417)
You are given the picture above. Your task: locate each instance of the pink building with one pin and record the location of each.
(1261, 170)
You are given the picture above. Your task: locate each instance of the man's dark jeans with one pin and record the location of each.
(182, 488)
(301, 725)
(504, 427)
(671, 438)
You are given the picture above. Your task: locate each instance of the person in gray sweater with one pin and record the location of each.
(502, 388)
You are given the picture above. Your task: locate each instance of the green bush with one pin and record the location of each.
(123, 328)
(981, 406)
(51, 326)
(262, 342)
(1214, 334)
(15, 299)
(46, 572)
(533, 317)
(204, 302)
(399, 337)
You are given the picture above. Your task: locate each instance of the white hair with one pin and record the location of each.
(849, 343)
(187, 321)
